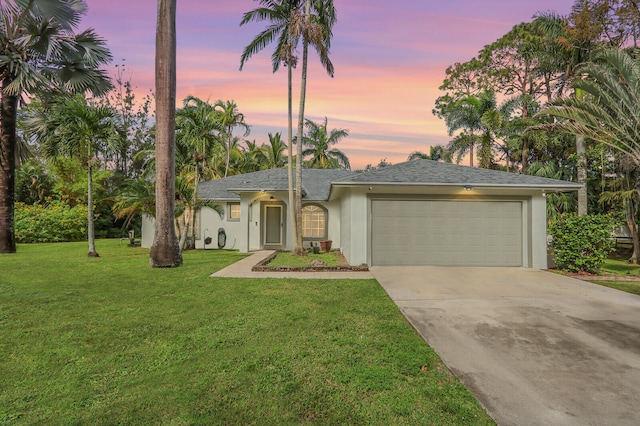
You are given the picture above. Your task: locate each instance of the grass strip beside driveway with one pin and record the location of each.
(112, 341)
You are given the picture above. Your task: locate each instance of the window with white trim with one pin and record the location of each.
(314, 222)
(233, 215)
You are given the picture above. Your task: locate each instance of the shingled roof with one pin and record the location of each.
(434, 173)
(316, 184)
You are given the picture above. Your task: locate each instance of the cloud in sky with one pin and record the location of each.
(390, 58)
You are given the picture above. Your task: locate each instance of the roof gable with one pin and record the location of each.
(316, 183)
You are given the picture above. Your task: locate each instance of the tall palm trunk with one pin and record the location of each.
(303, 94)
(525, 144)
(7, 171)
(226, 168)
(292, 209)
(165, 251)
(630, 211)
(582, 166)
(91, 235)
(192, 231)
(582, 175)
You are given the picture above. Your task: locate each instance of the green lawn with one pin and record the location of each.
(628, 286)
(112, 341)
(619, 266)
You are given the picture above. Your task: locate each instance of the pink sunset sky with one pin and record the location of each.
(389, 57)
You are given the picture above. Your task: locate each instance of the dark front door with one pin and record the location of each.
(273, 226)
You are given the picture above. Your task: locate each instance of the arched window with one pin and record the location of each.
(314, 222)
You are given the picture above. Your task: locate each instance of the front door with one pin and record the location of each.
(273, 226)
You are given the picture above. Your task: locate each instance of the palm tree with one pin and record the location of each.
(197, 137)
(165, 251)
(473, 114)
(319, 141)
(282, 16)
(40, 52)
(608, 112)
(317, 31)
(137, 197)
(272, 153)
(229, 118)
(577, 44)
(187, 207)
(74, 128)
(436, 153)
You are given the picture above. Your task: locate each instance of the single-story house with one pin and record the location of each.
(419, 212)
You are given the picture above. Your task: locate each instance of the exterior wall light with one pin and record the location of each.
(468, 187)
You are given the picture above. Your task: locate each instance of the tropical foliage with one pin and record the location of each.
(319, 142)
(50, 222)
(40, 53)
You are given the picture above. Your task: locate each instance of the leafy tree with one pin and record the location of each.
(40, 52)
(319, 141)
(382, 163)
(133, 120)
(608, 111)
(165, 251)
(517, 65)
(463, 79)
(33, 183)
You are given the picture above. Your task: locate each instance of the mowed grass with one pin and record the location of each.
(112, 341)
(628, 286)
(619, 266)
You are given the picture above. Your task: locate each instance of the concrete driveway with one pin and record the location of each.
(534, 347)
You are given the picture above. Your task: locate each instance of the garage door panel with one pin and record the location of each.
(476, 233)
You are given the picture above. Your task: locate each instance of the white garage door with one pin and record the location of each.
(473, 233)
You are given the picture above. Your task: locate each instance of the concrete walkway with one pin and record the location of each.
(534, 347)
(242, 269)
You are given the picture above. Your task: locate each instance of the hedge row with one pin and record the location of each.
(53, 222)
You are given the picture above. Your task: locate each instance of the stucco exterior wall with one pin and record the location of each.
(539, 232)
(148, 231)
(345, 235)
(211, 222)
(355, 226)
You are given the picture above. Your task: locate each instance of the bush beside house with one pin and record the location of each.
(582, 243)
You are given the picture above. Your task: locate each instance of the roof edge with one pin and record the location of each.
(568, 185)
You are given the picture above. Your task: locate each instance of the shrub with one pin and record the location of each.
(53, 222)
(582, 243)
